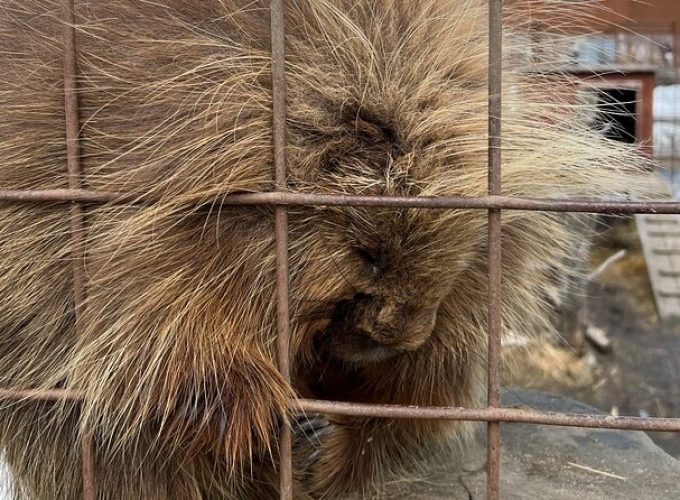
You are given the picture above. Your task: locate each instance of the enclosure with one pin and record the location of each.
(495, 203)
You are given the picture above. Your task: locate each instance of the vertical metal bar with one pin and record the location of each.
(87, 454)
(495, 322)
(73, 157)
(281, 219)
(675, 52)
(283, 341)
(77, 218)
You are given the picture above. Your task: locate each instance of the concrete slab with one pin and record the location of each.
(553, 463)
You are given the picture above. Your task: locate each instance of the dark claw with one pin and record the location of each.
(308, 431)
(309, 425)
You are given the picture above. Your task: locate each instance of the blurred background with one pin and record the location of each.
(619, 327)
(630, 49)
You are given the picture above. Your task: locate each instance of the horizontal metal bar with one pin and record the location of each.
(509, 415)
(45, 395)
(302, 199)
(65, 195)
(490, 414)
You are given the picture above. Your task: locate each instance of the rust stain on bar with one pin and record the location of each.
(494, 228)
(281, 221)
(309, 199)
(489, 414)
(77, 216)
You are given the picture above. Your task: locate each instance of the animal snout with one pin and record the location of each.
(394, 322)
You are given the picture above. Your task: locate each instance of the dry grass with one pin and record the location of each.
(544, 364)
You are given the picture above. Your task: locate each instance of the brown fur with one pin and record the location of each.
(177, 359)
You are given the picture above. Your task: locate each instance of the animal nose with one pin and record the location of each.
(388, 321)
(389, 316)
(403, 322)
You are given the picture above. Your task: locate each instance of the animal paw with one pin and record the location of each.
(308, 433)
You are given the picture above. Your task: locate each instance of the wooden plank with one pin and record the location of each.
(660, 239)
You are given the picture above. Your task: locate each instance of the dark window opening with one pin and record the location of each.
(616, 115)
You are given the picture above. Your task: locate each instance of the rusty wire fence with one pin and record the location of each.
(494, 414)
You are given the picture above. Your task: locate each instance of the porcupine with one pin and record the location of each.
(176, 359)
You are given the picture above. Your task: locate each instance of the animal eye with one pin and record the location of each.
(368, 256)
(375, 260)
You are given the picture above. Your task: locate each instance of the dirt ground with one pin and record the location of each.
(640, 375)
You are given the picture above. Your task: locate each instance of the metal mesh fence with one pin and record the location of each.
(494, 203)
